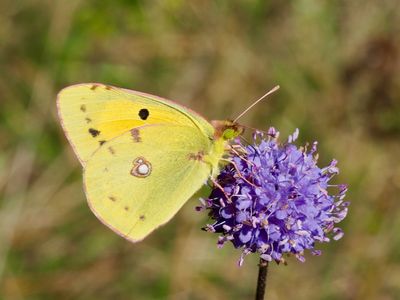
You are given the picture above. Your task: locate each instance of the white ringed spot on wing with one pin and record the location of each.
(141, 167)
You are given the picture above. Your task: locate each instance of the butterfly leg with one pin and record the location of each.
(239, 173)
(241, 157)
(215, 183)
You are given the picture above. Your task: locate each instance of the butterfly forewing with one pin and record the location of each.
(92, 114)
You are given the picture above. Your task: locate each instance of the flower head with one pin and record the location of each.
(274, 199)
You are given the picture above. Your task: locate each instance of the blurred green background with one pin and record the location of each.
(338, 64)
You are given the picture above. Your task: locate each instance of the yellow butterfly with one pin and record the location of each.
(143, 156)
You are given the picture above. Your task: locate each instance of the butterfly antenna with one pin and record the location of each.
(251, 106)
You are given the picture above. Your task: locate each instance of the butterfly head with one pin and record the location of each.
(227, 130)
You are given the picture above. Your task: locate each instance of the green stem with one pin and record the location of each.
(262, 279)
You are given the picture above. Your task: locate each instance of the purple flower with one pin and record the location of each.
(275, 199)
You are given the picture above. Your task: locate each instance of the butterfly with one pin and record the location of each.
(143, 156)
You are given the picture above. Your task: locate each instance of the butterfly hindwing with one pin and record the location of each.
(137, 181)
(92, 114)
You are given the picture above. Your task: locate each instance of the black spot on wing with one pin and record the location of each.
(101, 142)
(196, 156)
(94, 132)
(142, 217)
(83, 108)
(135, 133)
(144, 113)
(88, 120)
(94, 86)
(112, 151)
(112, 198)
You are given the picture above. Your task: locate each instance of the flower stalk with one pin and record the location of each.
(262, 279)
